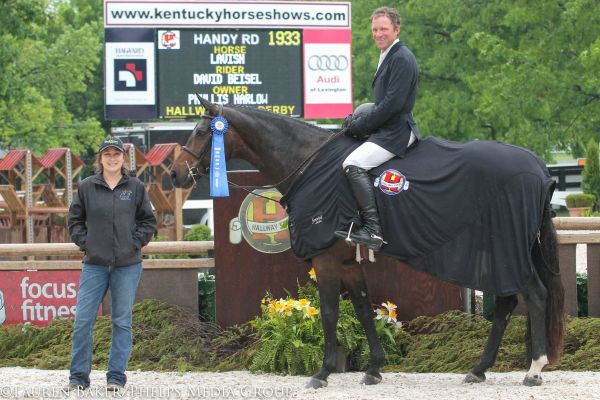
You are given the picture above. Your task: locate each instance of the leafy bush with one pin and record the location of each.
(199, 232)
(206, 296)
(580, 200)
(169, 338)
(590, 213)
(590, 178)
(289, 339)
(290, 335)
(159, 238)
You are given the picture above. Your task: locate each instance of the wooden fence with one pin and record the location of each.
(171, 282)
(571, 232)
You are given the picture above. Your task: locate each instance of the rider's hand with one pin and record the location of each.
(347, 121)
(353, 130)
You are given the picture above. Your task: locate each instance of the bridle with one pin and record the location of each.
(194, 171)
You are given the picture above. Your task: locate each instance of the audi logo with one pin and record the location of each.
(327, 63)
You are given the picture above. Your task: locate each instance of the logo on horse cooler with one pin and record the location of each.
(264, 222)
(391, 182)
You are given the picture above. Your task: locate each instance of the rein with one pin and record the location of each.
(296, 173)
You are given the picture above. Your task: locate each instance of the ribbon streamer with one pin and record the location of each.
(218, 168)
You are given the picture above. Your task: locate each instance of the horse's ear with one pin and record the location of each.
(211, 109)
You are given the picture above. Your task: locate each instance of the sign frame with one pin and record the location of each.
(326, 93)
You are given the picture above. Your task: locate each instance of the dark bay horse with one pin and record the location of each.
(277, 146)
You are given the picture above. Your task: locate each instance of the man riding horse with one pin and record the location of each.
(388, 126)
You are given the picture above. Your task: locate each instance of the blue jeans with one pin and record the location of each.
(93, 284)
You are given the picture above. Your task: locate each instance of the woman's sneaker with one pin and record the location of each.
(74, 387)
(114, 387)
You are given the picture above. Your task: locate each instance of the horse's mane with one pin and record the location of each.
(281, 119)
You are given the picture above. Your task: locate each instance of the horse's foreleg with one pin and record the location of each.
(535, 297)
(503, 307)
(355, 283)
(328, 280)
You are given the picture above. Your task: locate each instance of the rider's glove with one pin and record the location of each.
(354, 130)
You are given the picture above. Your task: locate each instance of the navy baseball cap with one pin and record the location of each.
(111, 142)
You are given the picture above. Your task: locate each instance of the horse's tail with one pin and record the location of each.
(545, 259)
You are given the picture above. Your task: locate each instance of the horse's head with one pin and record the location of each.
(194, 160)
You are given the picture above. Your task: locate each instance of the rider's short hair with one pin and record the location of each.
(389, 12)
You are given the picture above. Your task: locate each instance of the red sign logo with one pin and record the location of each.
(37, 297)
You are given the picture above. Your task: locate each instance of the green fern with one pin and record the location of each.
(292, 344)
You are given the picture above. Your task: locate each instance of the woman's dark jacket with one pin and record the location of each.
(111, 225)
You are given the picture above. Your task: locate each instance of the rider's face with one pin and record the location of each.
(384, 32)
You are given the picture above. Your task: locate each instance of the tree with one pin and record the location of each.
(590, 179)
(47, 62)
(525, 72)
(522, 72)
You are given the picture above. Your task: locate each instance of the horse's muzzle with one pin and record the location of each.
(181, 180)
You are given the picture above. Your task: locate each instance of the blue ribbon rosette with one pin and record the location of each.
(218, 168)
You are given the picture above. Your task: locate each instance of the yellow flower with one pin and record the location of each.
(287, 310)
(301, 304)
(387, 312)
(381, 313)
(275, 306)
(312, 274)
(389, 305)
(310, 312)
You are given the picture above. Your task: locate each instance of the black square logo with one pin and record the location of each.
(130, 75)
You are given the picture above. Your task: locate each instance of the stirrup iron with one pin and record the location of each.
(348, 240)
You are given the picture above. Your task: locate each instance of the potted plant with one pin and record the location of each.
(578, 202)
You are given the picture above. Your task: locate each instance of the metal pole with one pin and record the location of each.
(467, 300)
(69, 174)
(28, 197)
(132, 165)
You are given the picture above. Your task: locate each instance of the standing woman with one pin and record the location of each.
(110, 220)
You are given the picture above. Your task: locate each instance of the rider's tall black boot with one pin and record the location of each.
(362, 188)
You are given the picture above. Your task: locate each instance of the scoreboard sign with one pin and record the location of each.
(259, 68)
(291, 58)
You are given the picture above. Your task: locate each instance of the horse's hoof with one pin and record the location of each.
(532, 380)
(472, 378)
(370, 380)
(315, 383)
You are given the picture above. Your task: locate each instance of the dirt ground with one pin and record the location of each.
(22, 383)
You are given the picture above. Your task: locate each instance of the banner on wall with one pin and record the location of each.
(37, 297)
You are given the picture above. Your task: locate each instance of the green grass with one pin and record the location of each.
(168, 338)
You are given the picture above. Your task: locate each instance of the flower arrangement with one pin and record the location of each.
(288, 306)
(291, 336)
